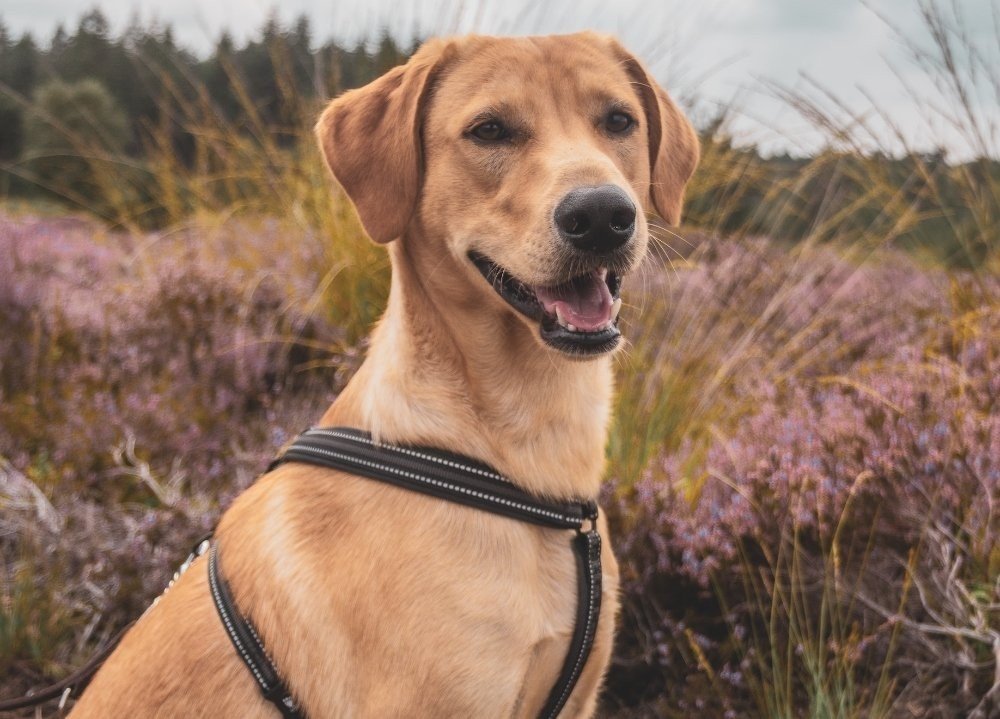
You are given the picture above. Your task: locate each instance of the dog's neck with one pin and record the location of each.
(471, 378)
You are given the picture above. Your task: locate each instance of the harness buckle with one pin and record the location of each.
(589, 516)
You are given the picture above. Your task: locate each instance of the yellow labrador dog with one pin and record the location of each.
(509, 179)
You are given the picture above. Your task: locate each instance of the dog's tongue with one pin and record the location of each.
(584, 302)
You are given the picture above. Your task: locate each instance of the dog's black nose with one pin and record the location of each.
(597, 219)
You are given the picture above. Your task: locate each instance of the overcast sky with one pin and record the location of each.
(711, 52)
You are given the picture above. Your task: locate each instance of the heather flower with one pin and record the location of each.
(861, 413)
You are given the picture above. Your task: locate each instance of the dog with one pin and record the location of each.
(509, 179)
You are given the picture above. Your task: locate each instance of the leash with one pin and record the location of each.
(78, 680)
(64, 688)
(449, 477)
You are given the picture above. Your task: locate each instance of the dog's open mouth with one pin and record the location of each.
(578, 317)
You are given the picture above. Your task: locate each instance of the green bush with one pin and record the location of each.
(74, 134)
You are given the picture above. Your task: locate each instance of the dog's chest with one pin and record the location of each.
(468, 611)
(521, 580)
(490, 612)
(519, 611)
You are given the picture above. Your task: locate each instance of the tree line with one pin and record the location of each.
(135, 72)
(149, 104)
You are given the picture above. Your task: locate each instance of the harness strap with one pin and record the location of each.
(248, 645)
(450, 477)
(587, 548)
(431, 471)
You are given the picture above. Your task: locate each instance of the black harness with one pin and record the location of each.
(446, 476)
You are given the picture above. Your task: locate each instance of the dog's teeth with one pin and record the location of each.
(603, 272)
(616, 307)
(563, 322)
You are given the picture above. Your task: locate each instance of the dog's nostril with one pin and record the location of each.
(578, 223)
(622, 220)
(596, 219)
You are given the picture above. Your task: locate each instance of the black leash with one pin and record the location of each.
(452, 478)
(76, 680)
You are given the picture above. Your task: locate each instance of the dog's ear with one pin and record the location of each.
(673, 143)
(370, 138)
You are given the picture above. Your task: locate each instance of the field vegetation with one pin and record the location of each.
(804, 471)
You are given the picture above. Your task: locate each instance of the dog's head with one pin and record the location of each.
(530, 160)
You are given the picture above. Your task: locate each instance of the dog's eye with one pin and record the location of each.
(618, 122)
(490, 131)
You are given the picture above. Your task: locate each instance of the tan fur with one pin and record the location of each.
(375, 601)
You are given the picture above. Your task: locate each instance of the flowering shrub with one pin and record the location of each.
(141, 388)
(804, 472)
(827, 491)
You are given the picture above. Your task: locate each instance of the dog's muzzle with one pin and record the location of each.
(578, 317)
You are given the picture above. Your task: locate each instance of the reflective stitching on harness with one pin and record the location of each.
(260, 644)
(197, 552)
(438, 483)
(230, 630)
(412, 452)
(571, 684)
